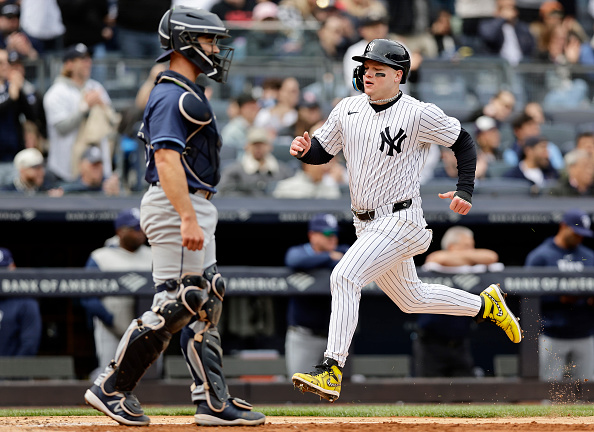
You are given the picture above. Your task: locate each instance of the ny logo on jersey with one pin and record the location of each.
(387, 139)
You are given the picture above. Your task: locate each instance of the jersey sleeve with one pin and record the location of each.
(330, 134)
(435, 127)
(167, 127)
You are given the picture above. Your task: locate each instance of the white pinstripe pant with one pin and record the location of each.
(384, 253)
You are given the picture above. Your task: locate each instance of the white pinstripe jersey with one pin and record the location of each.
(385, 151)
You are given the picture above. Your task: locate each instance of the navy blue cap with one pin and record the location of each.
(579, 222)
(128, 218)
(79, 50)
(93, 154)
(5, 257)
(325, 223)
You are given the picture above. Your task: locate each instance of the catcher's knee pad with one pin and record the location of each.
(139, 348)
(144, 343)
(193, 294)
(204, 355)
(214, 306)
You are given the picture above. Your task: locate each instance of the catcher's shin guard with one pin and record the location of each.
(143, 342)
(201, 344)
(204, 355)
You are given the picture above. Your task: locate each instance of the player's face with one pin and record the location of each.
(131, 239)
(323, 242)
(380, 81)
(208, 44)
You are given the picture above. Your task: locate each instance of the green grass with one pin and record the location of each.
(460, 411)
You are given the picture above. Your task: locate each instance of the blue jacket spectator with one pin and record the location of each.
(506, 35)
(535, 167)
(566, 346)
(308, 316)
(20, 320)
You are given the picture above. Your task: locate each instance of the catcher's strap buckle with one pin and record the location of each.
(367, 215)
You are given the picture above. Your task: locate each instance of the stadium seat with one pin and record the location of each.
(558, 133)
(503, 187)
(40, 367)
(572, 116)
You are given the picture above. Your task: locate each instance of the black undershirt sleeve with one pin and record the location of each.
(465, 152)
(316, 154)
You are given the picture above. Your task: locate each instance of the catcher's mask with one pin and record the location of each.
(179, 30)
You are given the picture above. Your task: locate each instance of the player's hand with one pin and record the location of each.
(300, 145)
(192, 234)
(458, 205)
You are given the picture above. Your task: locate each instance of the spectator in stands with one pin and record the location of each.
(309, 113)
(361, 9)
(283, 113)
(234, 133)
(536, 111)
(30, 175)
(410, 21)
(566, 344)
(577, 179)
(257, 169)
(91, 178)
(111, 315)
(471, 13)
(441, 347)
(87, 22)
(34, 99)
(552, 16)
(506, 35)
(20, 319)
(41, 20)
(234, 10)
(370, 27)
(585, 141)
(311, 181)
(499, 107)
(14, 104)
(308, 316)
(332, 39)
(12, 38)
(269, 92)
(535, 166)
(267, 39)
(488, 140)
(446, 41)
(78, 112)
(135, 27)
(525, 126)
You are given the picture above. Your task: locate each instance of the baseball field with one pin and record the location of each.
(323, 418)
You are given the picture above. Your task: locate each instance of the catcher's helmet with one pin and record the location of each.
(179, 30)
(385, 51)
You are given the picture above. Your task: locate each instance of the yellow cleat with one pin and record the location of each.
(495, 309)
(324, 380)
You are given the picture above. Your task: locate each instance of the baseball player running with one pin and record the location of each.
(385, 137)
(183, 145)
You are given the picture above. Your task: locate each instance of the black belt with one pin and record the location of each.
(205, 193)
(366, 215)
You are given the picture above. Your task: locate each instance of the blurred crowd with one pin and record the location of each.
(70, 138)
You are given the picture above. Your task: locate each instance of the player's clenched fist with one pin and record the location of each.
(458, 204)
(300, 145)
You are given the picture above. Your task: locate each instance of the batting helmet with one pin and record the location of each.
(385, 51)
(179, 30)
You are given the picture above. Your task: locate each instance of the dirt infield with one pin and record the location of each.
(317, 424)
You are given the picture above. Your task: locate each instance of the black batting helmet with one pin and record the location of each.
(388, 52)
(179, 30)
